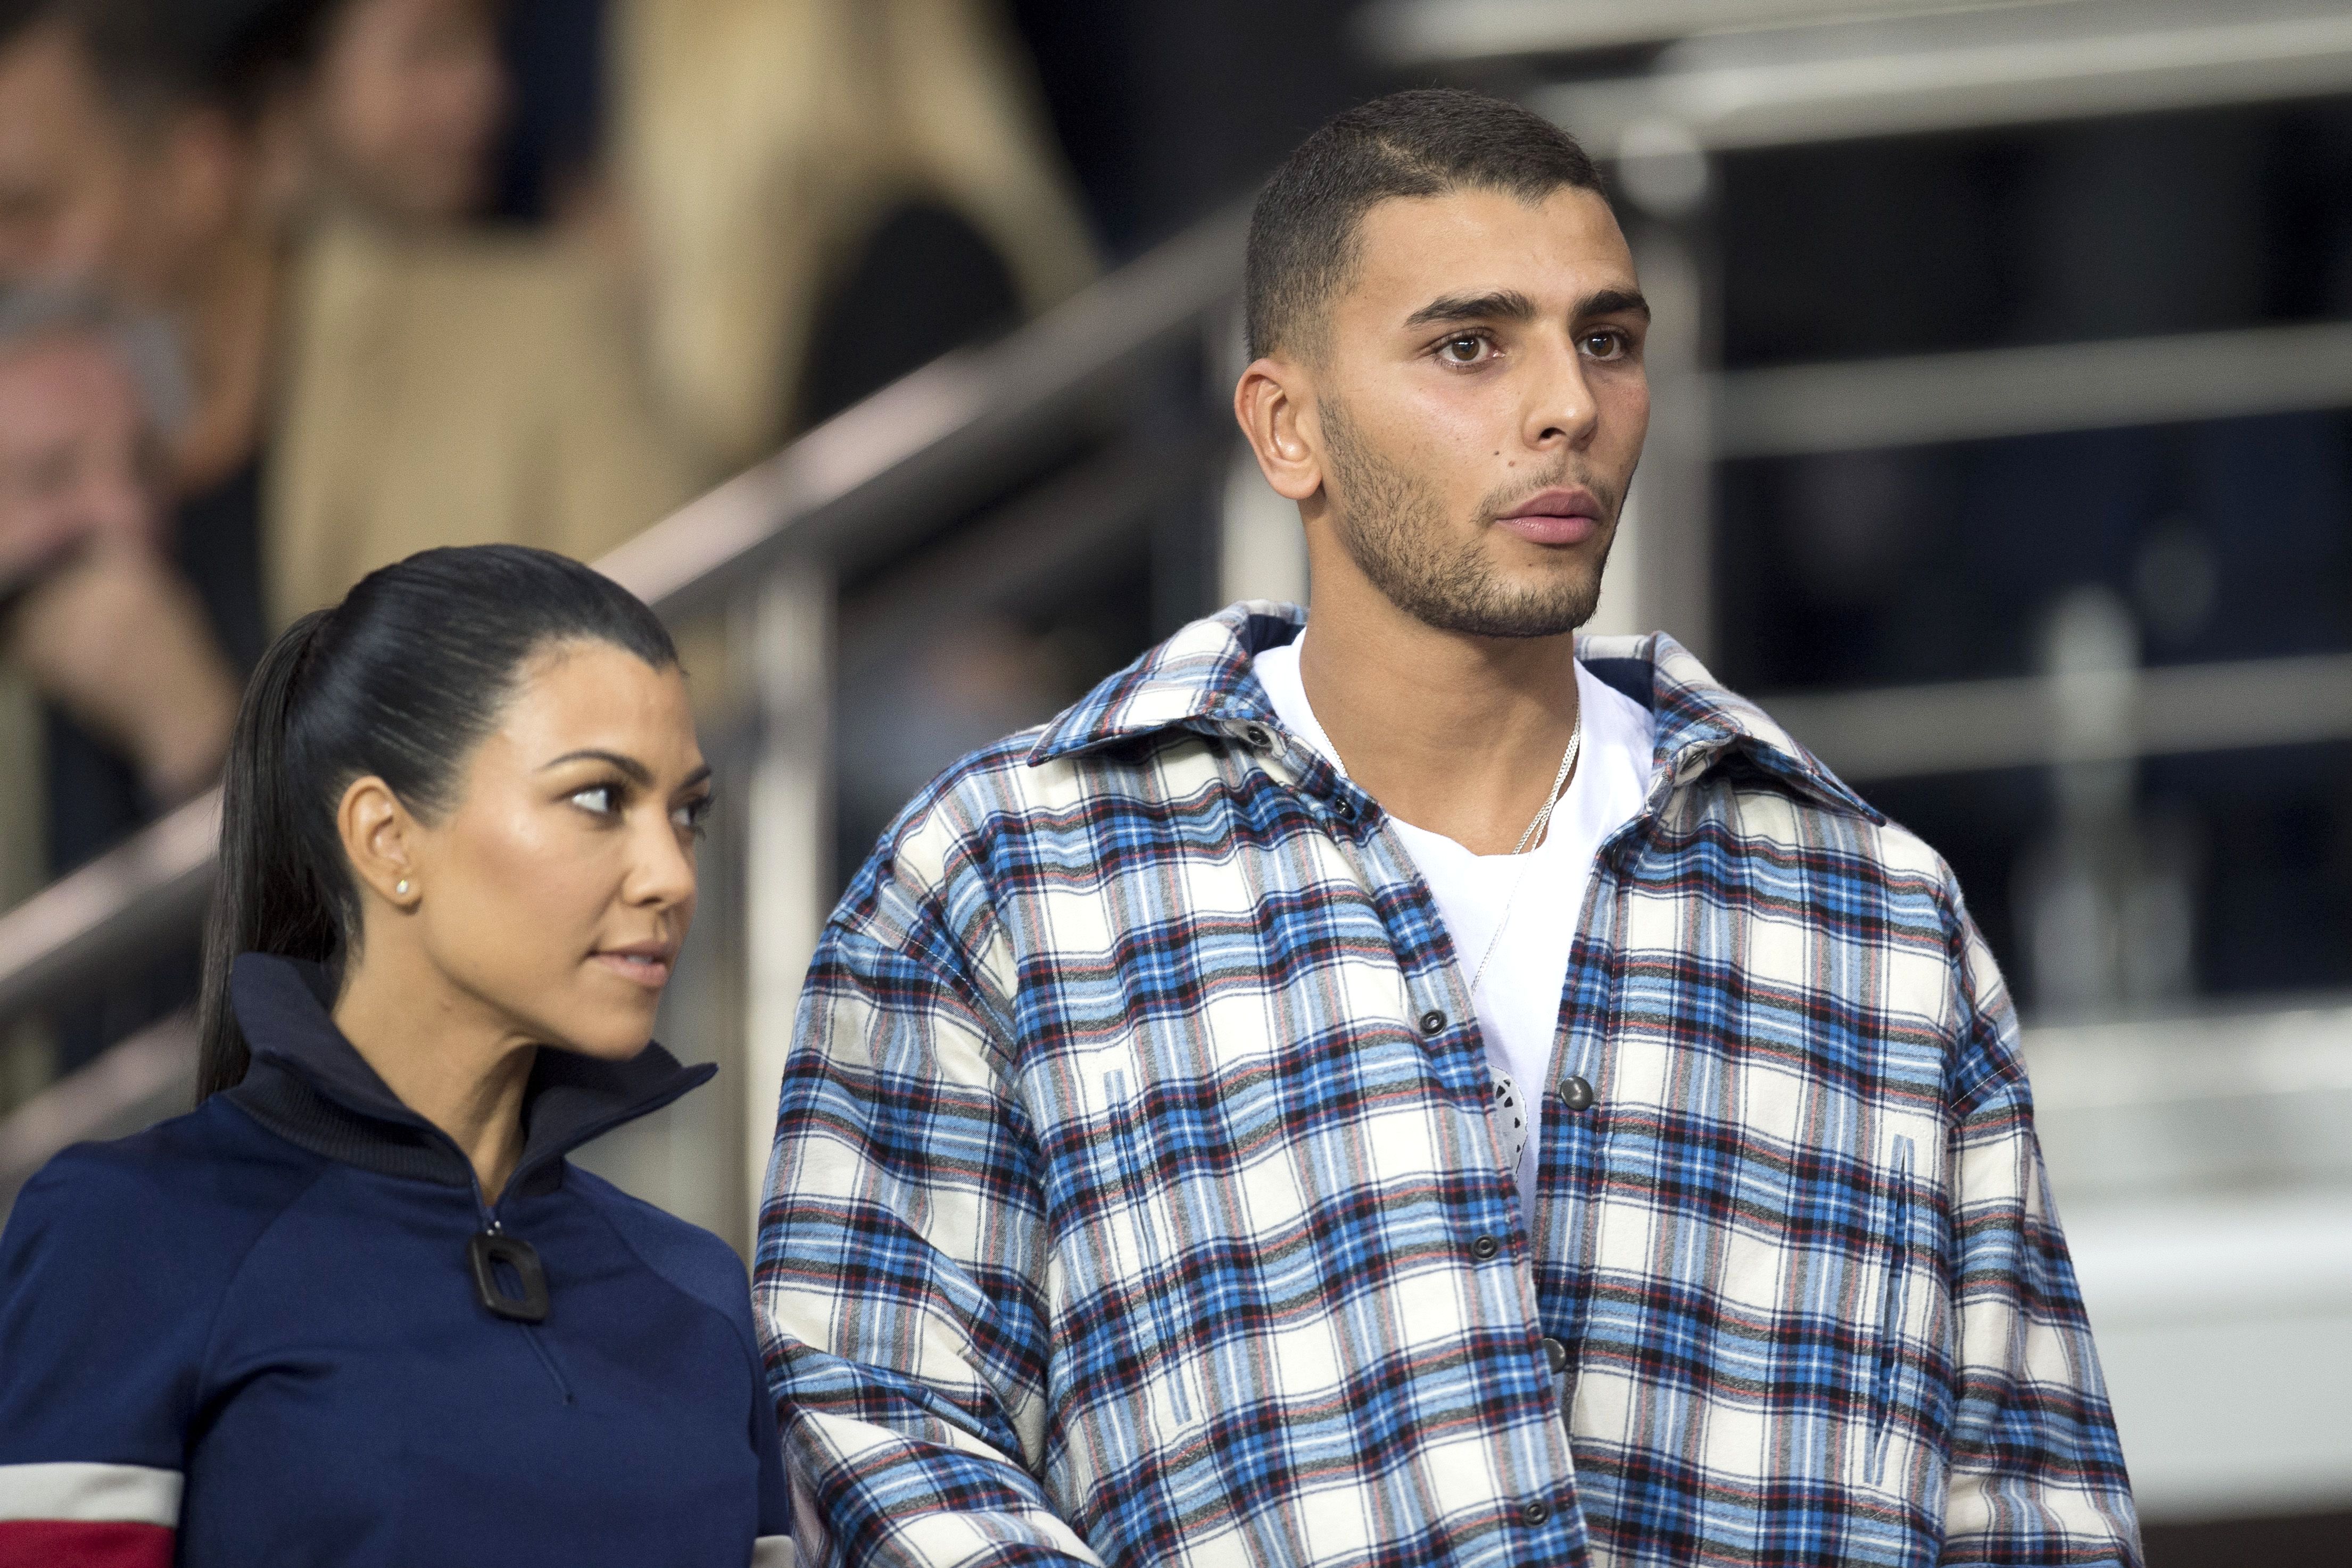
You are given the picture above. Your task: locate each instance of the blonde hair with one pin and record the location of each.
(759, 140)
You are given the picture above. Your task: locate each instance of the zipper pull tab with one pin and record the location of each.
(485, 1252)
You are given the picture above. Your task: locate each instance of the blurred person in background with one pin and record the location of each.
(98, 617)
(398, 114)
(363, 389)
(824, 195)
(441, 386)
(359, 391)
(116, 696)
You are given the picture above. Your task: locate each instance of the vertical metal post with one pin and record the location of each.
(788, 844)
(1663, 562)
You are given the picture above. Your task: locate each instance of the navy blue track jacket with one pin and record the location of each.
(253, 1334)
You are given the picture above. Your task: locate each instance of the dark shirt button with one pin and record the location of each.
(1484, 1248)
(1257, 735)
(1347, 808)
(1576, 1094)
(1533, 1514)
(1431, 1021)
(1555, 1355)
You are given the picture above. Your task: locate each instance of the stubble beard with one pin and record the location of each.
(1393, 527)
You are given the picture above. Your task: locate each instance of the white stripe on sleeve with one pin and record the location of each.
(91, 1494)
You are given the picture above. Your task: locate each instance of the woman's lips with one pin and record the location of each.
(650, 970)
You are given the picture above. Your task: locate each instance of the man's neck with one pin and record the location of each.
(1458, 734)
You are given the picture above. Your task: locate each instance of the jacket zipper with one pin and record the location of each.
(529, 1330)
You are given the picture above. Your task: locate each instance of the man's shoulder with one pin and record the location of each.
(999, 805)
(1825, 833)
(1110, 751)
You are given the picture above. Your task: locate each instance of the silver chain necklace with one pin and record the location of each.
(1535, 831)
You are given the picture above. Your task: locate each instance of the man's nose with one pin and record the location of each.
(1561, 409)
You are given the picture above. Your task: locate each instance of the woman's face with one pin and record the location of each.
(408, 99)
(555, 892)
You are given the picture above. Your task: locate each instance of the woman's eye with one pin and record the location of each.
(690, 815)
(597, 798)
(1464, 350)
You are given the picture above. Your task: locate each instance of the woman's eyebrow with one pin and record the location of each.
(634, 770)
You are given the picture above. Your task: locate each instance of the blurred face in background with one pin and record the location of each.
(78, 460)
(86, 195)
(404, 105)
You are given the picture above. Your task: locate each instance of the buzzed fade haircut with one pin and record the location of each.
(1305, 232)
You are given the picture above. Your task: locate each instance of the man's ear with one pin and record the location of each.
(378, 833)
(1274, 406)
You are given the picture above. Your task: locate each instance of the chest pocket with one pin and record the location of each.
(1911, 1320)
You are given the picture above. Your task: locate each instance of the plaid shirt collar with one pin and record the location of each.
(1200, 681)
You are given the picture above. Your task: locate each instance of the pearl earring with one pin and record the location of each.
(401, 887)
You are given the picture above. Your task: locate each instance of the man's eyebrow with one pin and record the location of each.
(636, 772)
(1505, 305)
(1614, 301)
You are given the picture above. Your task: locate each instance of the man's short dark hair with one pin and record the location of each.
(1304, 234)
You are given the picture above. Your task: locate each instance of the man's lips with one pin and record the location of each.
(646, 963)
(1563, 516)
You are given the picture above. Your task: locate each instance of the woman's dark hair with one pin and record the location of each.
(402, 681)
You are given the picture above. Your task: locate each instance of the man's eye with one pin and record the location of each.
(1464, 350)
(1605, 345)
(597, 798)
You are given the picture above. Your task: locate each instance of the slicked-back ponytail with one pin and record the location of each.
(266, 895)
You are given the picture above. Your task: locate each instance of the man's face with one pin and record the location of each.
(73, 185)
(78, 459)
(1480, 402)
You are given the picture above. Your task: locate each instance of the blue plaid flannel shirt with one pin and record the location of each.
(1134, 1198)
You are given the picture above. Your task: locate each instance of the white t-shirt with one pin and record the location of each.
(1518, 1000)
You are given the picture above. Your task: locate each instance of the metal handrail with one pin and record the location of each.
(1942, 71)
(1421, 33)
(852, 492)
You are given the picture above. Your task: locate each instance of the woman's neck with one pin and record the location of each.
(443, 1055)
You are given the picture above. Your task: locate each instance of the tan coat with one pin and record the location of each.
(461, 389)
(759, 142)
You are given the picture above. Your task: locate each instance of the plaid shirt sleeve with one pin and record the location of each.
(2035, 1474)
(905, 1332)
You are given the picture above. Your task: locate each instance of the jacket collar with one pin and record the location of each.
(1199, 680)
(308, 1084)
